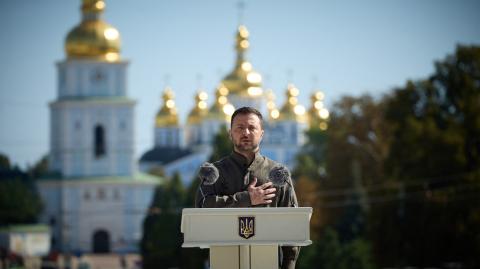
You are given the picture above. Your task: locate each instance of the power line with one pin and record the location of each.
(389, 186)
(461, 190)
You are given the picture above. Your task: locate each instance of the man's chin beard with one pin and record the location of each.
(251, 148)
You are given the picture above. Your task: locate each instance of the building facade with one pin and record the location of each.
(98, 201)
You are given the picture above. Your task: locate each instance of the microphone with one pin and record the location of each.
(279, 175)
(208, 173)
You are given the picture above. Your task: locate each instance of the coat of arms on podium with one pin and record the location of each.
(246, 227)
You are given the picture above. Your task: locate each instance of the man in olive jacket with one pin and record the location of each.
(243, 176)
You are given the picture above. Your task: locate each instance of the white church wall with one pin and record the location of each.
(82, 208)
(88, 78)
(73, 138)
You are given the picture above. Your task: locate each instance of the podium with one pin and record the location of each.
(245, 238)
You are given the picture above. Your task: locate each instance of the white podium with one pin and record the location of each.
(241, 238)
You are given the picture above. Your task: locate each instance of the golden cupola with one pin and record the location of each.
(243, 80)
(317, 114)
(273, 112)
(167, 115)
(291, 110)
(200, 111)
(221, 109)
(93, 38)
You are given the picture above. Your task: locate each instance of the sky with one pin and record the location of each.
(339, 47)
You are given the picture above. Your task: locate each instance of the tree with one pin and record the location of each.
(309, 174)
(19, 199)
(4, 162)
(331, 253)
(354, 154)
(40, 169)
(162, 239)
(221, 145)
(19, 204)
(434, 157)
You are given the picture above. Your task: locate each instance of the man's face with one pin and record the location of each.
(246, 132)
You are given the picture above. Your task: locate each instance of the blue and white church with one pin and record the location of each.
(182, 148)
(99, 200)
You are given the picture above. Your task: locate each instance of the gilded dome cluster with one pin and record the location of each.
(292, 110)
(273, 112)
(243, 80)
(221, 109)
(93, 38)
(318, 115)
(200, 110)
(167, 115)
(246, 83)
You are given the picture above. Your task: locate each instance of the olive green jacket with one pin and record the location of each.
(230, 190)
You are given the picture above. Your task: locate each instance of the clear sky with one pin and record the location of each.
(340, 47)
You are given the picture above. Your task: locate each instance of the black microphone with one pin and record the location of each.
(279, 176)
(208, 173)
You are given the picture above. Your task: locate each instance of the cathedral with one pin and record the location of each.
(98, 201)
(182, 148)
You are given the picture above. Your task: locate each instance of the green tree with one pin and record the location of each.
(311, 161)
(19, 203)
(356, 148)
(162, 239)
(221, 145)
(19, 199)
(4, 162)
(325, 253)
(40, 169)
(309, 173)
(434, 159)
(356, 254)
(330, 253)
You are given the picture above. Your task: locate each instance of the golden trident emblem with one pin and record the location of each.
(246, 227)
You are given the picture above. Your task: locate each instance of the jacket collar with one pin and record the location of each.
(242, 161)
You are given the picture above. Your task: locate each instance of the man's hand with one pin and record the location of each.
(261, 194)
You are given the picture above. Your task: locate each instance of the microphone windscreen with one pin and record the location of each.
(279, 175)
(208, 173)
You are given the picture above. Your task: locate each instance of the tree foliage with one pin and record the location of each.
(402, 172)
(434, 158)
(331, 253)
(20, 202)
(221, 145)
(162, 239)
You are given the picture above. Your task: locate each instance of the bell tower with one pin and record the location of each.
(92, 118)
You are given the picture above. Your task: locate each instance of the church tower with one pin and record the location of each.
(243, 83)
(98, 201)
(92, 118)
(286, 128)
(167, 130)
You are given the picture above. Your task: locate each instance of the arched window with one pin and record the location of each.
(99, 143)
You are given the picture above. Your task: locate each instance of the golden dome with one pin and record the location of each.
(221, 109)
(93, 38)
(200, 111)
(291, 110)
(317, 114)
(243, 80)
(273, 112)
(167, 115)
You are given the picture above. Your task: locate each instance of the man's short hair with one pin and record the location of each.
(247, 110)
